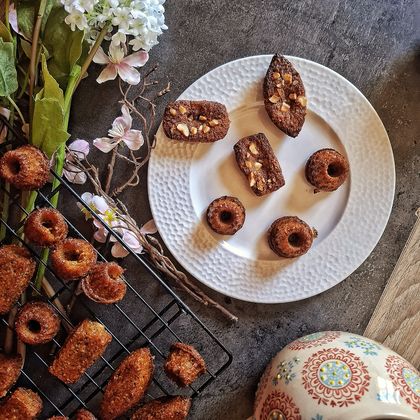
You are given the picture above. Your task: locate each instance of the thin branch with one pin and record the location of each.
(111, 166)
(34, 55)
(144, 109)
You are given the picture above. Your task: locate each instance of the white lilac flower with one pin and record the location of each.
(76, 19)
(143, 20)
(119, 38)
(121, 131)
(118, 64)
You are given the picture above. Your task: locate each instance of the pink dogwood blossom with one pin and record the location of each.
(118, 64)
(79, 148)
(110, 217)
(121, 131)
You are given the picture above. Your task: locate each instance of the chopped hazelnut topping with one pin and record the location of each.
(284, 107)
(251, 180)
(182, 109)
(202, 118)
(276, 75)
(172, 111)
(183, 128)
(302, 100)
(274, 99)
(257, 165)
(213, 123)
(287, 77)
(206, 129)
(193, 130)
(200, 128)
(253, 149)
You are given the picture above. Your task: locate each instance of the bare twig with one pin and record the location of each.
(111, 166)
(144, 109)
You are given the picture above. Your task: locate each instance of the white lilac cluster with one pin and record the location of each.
(142, 21)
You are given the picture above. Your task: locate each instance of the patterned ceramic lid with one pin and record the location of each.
(337, 375)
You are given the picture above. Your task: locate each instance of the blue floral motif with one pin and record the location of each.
(317, 417)
(312, 337)
(285, 371)
(334, 374)
(369, 348)
(412, 380)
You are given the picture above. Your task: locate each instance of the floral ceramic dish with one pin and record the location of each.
(337, 375)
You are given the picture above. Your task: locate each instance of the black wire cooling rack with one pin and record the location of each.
(151, 314)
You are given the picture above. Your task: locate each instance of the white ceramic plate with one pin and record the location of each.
(185, 178)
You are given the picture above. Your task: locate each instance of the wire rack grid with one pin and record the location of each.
(150, 315)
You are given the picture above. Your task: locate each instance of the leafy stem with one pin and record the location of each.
(60, 157)
(34, 55)
(13, 103)
(92, 53)
(6, 14)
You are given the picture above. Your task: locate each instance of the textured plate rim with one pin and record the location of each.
(344, 273)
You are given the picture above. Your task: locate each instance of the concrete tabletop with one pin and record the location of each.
(375, 46)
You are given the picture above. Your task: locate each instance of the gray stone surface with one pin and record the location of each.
(375, 46)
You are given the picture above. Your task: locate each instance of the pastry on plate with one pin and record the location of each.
(290, 237)
(196, 121)
(226, 215)
(327, 170)
(256, 159)
(284, 96)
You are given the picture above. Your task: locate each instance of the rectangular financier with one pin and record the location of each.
(82, 349)
(256, 159)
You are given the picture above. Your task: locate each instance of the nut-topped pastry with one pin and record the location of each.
(256, 159)
(196, 121)
(284, 96)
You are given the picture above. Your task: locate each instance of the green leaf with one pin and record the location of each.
(26, 47)
(64, 46)
(8, 75)
(26, 15)
(48, 119)
(47, 125)
(51, 88)
(5, 33)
